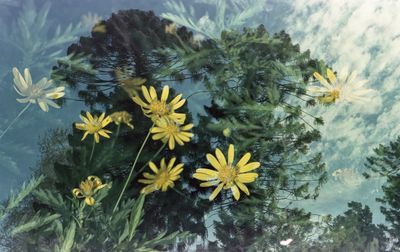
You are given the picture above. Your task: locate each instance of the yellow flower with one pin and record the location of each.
(171, 132)
(227, 175)
(157, 109)
(122, 117)
(131, 85)
(171, 28)
(94, 125)
(163, 177)
(88, 188)
(344, 88)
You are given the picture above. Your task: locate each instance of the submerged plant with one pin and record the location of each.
(163, 177)
(228, 175)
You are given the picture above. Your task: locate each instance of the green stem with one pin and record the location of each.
(116, 136)
(15, 119)
(92, 152)
(133, 167)
(151, 159)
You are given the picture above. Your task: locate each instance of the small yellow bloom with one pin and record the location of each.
(94, 126)
(227, 175)
(122, 117)
(131, 85)
(171, 28)
(100, 28)
(227, 132)
(88, 188)
(345, 88)
(163, 177)
(171, 132)
(157, 109)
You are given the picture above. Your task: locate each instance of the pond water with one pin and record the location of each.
(285, 131)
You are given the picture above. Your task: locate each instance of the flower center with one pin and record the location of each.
(94, 126)
(159, 108)
(172, 129)
(335, 94)
(162, 178)
(227, 174)
(87, 188)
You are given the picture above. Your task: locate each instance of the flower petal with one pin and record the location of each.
(216, 191)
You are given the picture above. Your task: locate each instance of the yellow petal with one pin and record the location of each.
(216, 191)
(146, 94)
(153, 167)
(331, 75)
(77, 193)
(249, 167)
(243, 161)
(178, 104)
(247, 177)
(235, 192)
(209, 183)
(243, 187)
(213, 161)
(165, 93)
(220, 157)
(171, 143)
(203, 177)
(153, 93)
(231, 153)
(89, 116)
(96, 137)
(90, 201)
(209, 172)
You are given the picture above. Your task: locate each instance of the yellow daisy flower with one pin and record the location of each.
(88, 188)
(345, 88)
(171, 132)
(157, 109)
(163, 177)
(94, 126)
(227, 175)
(122, 117)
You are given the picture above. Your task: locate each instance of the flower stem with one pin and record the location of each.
(133, 167)
(151, 159)
(116, 136)
(15, 119)
(92, 152)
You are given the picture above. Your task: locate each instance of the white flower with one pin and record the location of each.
(345, 88)
(39, 93)
(286, 242)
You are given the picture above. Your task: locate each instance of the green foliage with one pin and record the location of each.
(385, 164)
(240, 13)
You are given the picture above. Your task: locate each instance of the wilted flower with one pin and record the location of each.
(122, 117)
(171, 132)
(94, 126)
(131, 85)
(88, 188)
(227, 175)
(345, 88)
(157, 109)
(163, 177)
(171, 28)
(38, 93)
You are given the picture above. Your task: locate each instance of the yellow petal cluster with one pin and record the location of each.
(158, 109)
(88, 188)
(122, 117)
(94, 125)
(227, 175)
(171, 132)
(163, 177)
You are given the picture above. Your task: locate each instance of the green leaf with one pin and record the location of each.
(136, 215)
(69, 238)
(37, 221)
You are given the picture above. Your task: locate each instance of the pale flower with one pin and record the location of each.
(39, 93)
(345, 88)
